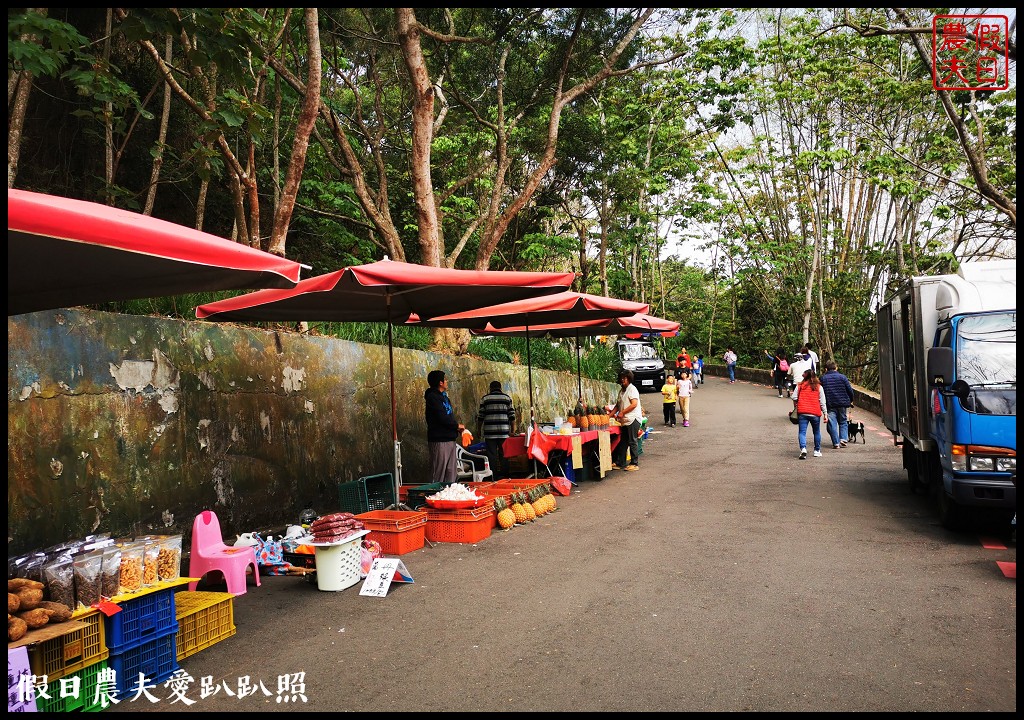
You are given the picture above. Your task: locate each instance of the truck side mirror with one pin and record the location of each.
(940, 366)
(961, 389)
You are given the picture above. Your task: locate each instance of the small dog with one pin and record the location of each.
(855, 429)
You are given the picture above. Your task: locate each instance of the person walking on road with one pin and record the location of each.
(442, 429)
(839, 396)
(801, 364)
(497, 418)
(730, 363)
(780, 368)
(669, 396)
(628, 412)
(809, 402)
(685, 391)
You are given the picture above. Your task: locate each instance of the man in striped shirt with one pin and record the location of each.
(497, 417)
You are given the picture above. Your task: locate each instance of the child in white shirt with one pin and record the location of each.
(685, 388)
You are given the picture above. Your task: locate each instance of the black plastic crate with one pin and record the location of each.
(379, 491)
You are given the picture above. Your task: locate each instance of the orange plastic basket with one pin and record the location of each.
(397, 531)
(516, 485)
(460, 526)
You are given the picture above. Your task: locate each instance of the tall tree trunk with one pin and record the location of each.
(19, 87)
(161, 143)
(422, 136)
(108, 120)
(303, 129)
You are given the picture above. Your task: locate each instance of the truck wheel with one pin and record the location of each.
(915, 472)
(950, 514)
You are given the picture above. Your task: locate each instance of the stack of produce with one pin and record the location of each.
(26, 609)
(335, 527)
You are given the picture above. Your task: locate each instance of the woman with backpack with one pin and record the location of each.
(780, 369)
(809, 403)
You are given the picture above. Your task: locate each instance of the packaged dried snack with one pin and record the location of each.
(132, 558)
(149, 560)
(88, 566)
(111, 583)
(59, 577)
(168, 563)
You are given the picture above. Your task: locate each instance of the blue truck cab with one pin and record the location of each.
(948, 380)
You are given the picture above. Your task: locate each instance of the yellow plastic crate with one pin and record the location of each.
(73, 651)
(204, 618)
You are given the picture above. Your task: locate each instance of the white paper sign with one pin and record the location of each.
(383, 572)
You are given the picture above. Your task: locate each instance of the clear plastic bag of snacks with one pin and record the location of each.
(59, 576)
(168, 562)
(87, 566)
(149, 561)
(110, 585)
(132, 560)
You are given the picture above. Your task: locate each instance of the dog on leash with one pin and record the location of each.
(855, 429)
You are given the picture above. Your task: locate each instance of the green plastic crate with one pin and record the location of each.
(84, 701)
(352, 497)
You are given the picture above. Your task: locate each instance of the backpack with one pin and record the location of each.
(783, 366)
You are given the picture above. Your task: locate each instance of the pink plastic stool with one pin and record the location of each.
(210, 554)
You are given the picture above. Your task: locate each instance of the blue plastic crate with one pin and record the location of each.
(156, 659)
(141, 619)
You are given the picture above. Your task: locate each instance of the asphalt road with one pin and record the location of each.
(725, 575)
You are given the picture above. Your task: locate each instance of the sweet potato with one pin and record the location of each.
(13, 603)
(58, 612)
(15, 584)
(16, 629)
(35, 618)
(29, 598)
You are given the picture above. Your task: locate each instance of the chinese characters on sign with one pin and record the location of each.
(969, 52)
(291, 688)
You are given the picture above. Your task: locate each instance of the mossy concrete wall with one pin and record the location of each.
(131, 424)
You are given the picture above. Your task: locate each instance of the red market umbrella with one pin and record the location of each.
(563, 308)
(63, 252)
(631, 326)
(387, 291)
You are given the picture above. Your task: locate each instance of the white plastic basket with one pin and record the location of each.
(338, 564)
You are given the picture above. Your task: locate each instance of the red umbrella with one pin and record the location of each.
(640, 322)
(566, 307)
(387, 291)
(63, 252)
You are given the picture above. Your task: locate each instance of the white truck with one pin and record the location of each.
(947, 351)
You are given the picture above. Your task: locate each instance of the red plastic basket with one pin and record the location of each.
(397, 531)
(460, 526)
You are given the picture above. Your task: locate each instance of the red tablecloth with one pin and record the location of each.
(541, 444)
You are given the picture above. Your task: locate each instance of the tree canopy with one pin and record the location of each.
(764, 177)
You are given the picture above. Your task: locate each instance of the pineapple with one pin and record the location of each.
(549, 498)
(506, 518)
(584, 422)
(518, 510)
(540, 506)
(531, 514)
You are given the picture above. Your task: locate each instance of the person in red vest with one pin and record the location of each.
(809, 402)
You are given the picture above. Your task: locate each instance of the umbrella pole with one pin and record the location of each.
(398, 505)
(579, 373)
(529, 375)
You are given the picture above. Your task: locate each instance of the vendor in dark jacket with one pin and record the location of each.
(442, 429)
(838, 397)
